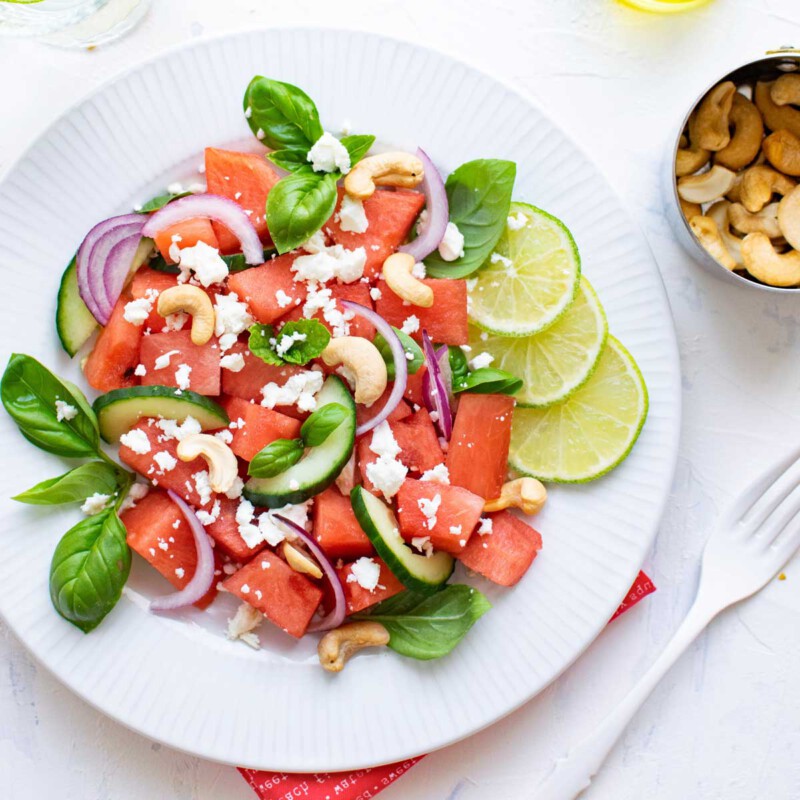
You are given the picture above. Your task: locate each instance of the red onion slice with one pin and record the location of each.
(203, 576)
(434, 390)
(431, 235)
(443, 357)
(336, 617)
(90, 281)
(213, 207)
(400, 363)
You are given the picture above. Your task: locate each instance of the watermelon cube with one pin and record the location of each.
(452, 515)
(445, 321)
(157, 531)
(283, 596)
(255, 374)
(504, 555)
(478, 454)
(147, 279)
(185, 234)
(366, 413)
(203, 360)
(270, 290)
(261, 426)
(225, 531)
(358, 598)
(419, 444)
(336, 528)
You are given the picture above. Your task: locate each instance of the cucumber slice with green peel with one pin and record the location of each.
(235, 262)
(319, 467)
(74, 322)
(418, 573)
(119, 410)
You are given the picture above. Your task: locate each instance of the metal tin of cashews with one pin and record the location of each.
(191, 300)
(764, 263)
(223, 468)
(710, 236)
(386, 169)
(706, 187)
(363, 361)
(397, 272)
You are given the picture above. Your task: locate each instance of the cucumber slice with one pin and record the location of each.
(74, 322)
(235, 262)
(415, 572)
(118, 411)
(320, 467)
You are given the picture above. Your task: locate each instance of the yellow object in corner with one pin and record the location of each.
(665, 6)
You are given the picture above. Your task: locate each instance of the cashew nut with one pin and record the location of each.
(789, 217)
(776, 117)
(690, 157)
(223, 469)
(707, 187)
(708, 128)
(690, 209)
(765, 264)
(707, 232)
(720, 214)
(765, 221)
(782, 150)
(527, 494)
(191, 300)
(363, 360)
(748, 131)
(759, 184)
(300, 562)
(385, 169)
(337, 646)
(397, 271)
(786, 90)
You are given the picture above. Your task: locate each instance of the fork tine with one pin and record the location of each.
(779, 518)
(786, 541)
(772, 495)
(754, 491)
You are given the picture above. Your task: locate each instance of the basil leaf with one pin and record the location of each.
(29, 392)
(358, 146)
(159, 201)
(479, 194)
(290, 160)
(302, 351)
(259, 344)
(299, 205)
(281, 115)
(275, 458)
(89, 568)
(322, 423)
(459, 367)
(488, 380)
(410, 347)
(73, 486)
(429, 627)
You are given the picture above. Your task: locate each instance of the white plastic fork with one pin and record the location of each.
(755, 537)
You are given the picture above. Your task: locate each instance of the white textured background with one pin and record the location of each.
(724, 723)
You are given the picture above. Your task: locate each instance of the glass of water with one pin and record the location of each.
(70, 23)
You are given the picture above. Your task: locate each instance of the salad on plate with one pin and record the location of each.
(333, 376)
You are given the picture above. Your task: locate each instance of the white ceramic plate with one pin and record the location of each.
(183, 684)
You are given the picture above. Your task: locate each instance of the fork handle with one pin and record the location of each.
(573, 773)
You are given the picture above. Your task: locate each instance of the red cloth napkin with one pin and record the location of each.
(366, 783)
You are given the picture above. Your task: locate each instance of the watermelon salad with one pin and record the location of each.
(286, 357)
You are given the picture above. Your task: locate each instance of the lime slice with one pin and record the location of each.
(556, 362)
(591, 432)
(531, 278)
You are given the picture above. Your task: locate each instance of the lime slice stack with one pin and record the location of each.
(583, 400)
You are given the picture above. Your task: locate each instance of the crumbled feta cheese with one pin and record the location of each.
(65, 411)
(455, 530)
(182, 376)
(260, 134)
(209, 518)
(352, 217)
(410, 324)
(320, 298)
(140, 370)
(224, 436)
(243, 623)
(452, 245)
(173, 430)
(245, 588)
(423, 544)
(299, 390)
(484, 336)
(481, 360)
(175, 188)
(165, 461)
(162, 362)
(235, 492)
(419, 270)
(231, 318)
(496, 258)
(383, 442)
(234, 362)
(517, 221)
(137, 311)
(248, 112)
(282, 299)
(205, 262)
(366, 572)
(429, 507)
(294, 485)
(323, 264)
(437, 474)
(180, 572)
(286, 341)
(202, 486)
(387, 473)
(95, 503)
(375, 293)
(175, 322)
(328, 154)
(136, 440)
(135, 493)
(269, 531)
(485, 526)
